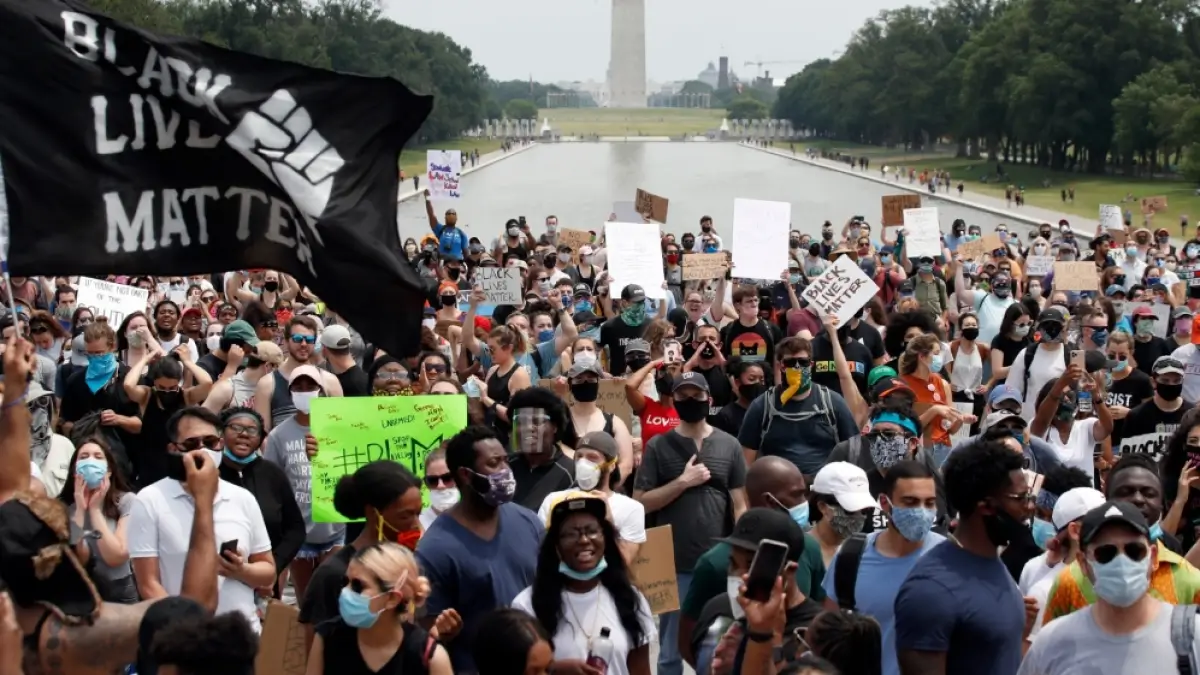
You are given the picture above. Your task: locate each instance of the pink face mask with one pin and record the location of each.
(1183, 327)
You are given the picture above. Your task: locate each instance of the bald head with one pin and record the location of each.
(776, 476)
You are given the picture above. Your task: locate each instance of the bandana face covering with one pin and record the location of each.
(634, 314)
(888, 452)
(799, 380)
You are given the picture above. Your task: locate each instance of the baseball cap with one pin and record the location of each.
(847, 483)
(793, 264)
(311, 372)
(763, 523)
(240, 331)
(690, 379)
(269, 352)
(1002, 416)
(582, 289)
(1075, 504)
(879, 372)
(79, 351)
(601, 441)
(584, 318)
(335, 337)
(1109, 513)
(585, 250)
(887, 387)
(1144, 312)
(1114, 289)
(191, 310)
(636, 345)
(1051, 314)
(577, 502)
(578, 369)
(1165, 365)
(1002, 393)
(633, 293)
(1181, 312)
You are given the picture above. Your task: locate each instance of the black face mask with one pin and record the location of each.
(585, 392)
(453, 272)
(1169, 392)
(708, 351)
(662, 384)
(688, 243)
(752, 391)
(827, 236)
(449, 300)
(1002, 529)
(170, 399)
(692, 410)
(970, 333)
(794, 243)
(706, 228)
(271, 286)
(637, 364)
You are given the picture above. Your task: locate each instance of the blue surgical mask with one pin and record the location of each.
(794, 278)
(710, 249)
(936, 363)
(885, 259)
(1043, 532)
(92, 471)
(1156, 532)
(355, 609)
(913, 523)
(545, 335)
(1121, 581)
(1121, 365)
(583, 576)
(1100, 336)
(240, 460)
(799, 513)
(583, 306)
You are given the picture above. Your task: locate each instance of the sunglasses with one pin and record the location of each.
(208, 298)
(1134, 550)
(386, 376)
(39, 328)
(540, 279)
(797, 363)
(269, 324)
(433, 482)
(434, 368)
(206, 442)
(302, 339)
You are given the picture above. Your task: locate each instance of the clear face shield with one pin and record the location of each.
(532, 431)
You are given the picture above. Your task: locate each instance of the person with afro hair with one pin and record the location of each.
(904, 326)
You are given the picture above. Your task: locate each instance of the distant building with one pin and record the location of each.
(723, 74)
(627, 60)
(709, 76)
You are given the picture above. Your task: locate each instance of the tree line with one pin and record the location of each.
(1082, 85)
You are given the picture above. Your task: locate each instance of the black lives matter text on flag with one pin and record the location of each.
(133, 153)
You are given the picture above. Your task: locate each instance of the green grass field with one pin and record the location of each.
(413, 160)
(621, 122)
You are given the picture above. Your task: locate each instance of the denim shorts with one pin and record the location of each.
(315, 551)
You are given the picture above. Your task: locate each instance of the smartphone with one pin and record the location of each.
(228, 546)
(766, 568)
(672, 352)
(1078, 359)
(175, 468)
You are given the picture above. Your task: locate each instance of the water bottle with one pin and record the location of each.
(1083, 399)
(601, 652)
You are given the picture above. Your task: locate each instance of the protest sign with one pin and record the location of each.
(575, 239)
(651, 206)
(964, 431)
(1075, 276)
(895, 205)
(1110, 217)
(841, 291)
(1153, 444)
(611, 398)
(760, 238)
(281, 646)
(502, 285)
(352, 432)
(444, 171)
(702, 266)
(109, 300)
(1162, 316)
(922, 234)
(1038, 265)
(653, 570)
(1152, 205)
(977, 248)
(634, 257)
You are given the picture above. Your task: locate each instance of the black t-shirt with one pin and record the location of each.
(320, 601)
(534, 484)
(354, 382)
(869, 337)
(755, 343)
(212, 365)
(1009, 348)
(78, 401)
(1146, 353)
(1147, 428)
(718, 387)
(730, 418)
(615, 334)
(824, 370)
(1128, 392)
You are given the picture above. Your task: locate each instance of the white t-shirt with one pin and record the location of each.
(990, 310)
(1034, 571)
(1048, 364)
(629, 516)
(1040, 591)
(594, 610)
(1077, 451)
(168, 345)
(1189, 355)
(160, 526)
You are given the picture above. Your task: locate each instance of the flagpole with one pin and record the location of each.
(8, 289)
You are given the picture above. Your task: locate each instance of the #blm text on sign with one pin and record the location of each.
(575, 239)
(1075, 276)
(651, 206)
(112, 301)
(653, 570)
(703, 266)
(502, 285)
(895, 205)
(841, 290)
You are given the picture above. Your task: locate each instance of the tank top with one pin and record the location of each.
(152, 465)
(281, 401)
(931, 392)
(243, 392)
(342, 653)
(968, 368)
(497, 390)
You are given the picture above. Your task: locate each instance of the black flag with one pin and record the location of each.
(126, 152)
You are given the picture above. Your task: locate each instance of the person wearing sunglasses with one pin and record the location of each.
(273, 398)
(1127, 630)
(443, 493)
(431, 366)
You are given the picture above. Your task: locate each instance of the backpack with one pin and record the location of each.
(1030, 355)
(1183, 637)
(824, 401)
(845, 570)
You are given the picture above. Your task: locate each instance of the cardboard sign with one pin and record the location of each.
(977, 248)
(1075, 276)
(703, 266)
(841, 291)
(352, 432)
(651, 206)
(1038, 265)
(611, 400)
(1120, 236)
(576, 239)
(1110, 217)
(443, 173)
(760, 238)
(653, 570)
(894, 207)
(1152, 205)
(502, 285)
(1153, 443)
(281, 649)
(109, 300)
(922, 234)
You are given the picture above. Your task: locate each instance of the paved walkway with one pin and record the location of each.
(407, 193)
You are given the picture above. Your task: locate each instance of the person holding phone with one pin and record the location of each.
(1073, 440)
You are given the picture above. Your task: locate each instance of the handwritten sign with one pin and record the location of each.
(653, 570)
(1110, 217)
(922, 234)
(634, 257)
(651, 206)
(702, 266)
(112, 301)
(760, 238)
(444, 173)
(894, 207)
(841, 291)
(501, 284)
(1075, 276)
(1153, 444)
(964, 431)
(1152, 205)
(281, 649)
(1038, 265)
(977, 248)
(575, 239)
(353, 432)
(611, 399)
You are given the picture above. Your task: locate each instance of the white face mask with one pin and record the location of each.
(733, 587)
(429, 323)
(213, 342)
(215, 456)
(441, 500)
(587, 474)
(584, 358)
(303, 400)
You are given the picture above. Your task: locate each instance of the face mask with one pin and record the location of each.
(692, 410)
(303, 400)
(733, 588)
(970, 334)
(799, 514)
(1001, 290)
(1131, 251)
(885, 260)
(100, 370)
(634, 314)
(710, 248)
(441, 500)
(1100, 337)
(213, 342)
(1121, 581)
(585, 392)
(410, 249)
(845, 525)
(672, 258)
(545, 335)
(583, 576)
(662, 383)
(587, 474)
(1050, 331)
(1002, 528)
(888, 452)
(564, 257)
(228, 454)
(1159, 262)
(913, 523)
(1144, 327)
(935, 363)
(1118, 306)
(92, 471)
(1020, 331)
(1039, 249)
(1066, 412)
(1035, 291)
(1192, 251)
(1156, 531)
(497, 488)
(1183, 327)
(584, 306)
(1043, 532)
(1169, 392)
(355, 609)
(925, 268)
(64, 311)
(794, 278)
(752, 391)
(1120, 365)
(271, 286)
(429, 323)
(448, 301)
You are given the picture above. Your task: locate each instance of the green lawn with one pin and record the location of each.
(413, 160)
(622, 121)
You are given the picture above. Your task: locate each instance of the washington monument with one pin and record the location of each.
(627, 62)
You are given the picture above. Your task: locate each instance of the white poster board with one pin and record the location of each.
(112, 301)
(760, 238)
(1110, 217)
(964, 431)
(1162, 315)
(626, 212)
(841, 290)
(502, 285)
(634, 257)
(443, 173)
(922, 234)
(1038, 265)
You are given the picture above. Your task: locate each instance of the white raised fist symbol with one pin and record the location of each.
(279, 140)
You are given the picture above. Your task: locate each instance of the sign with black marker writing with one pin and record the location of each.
(502, 285)
(841, 291)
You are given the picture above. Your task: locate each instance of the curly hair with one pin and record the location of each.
(977, 472)
(207, 645)
(851, 641)
(1062, 478)
(899, 323)
(1176, 456)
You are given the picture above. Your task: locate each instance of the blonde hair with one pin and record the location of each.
(656, 332)
(507, 336)
(396, 569)
(917, 347)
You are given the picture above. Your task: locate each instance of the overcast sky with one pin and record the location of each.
(556, 40)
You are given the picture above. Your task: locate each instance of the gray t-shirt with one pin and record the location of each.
(1075, 645)
(124, 507)
(285, 448)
